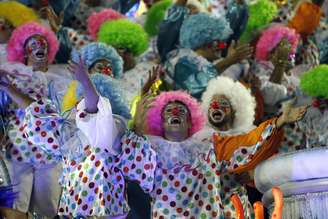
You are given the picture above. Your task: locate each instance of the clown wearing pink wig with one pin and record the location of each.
(275, 56)
(187, 176)
(25, 80)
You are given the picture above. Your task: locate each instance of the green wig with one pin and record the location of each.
(261, 13)
(155, 15)
(124, 34)
(315, 82)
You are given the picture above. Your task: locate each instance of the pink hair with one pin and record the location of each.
(16, 44)
(271, 38)
(154, 115)
(96, 19)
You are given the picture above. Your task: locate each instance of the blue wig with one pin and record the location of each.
(96, 51)
(200, 29)
(107, 87)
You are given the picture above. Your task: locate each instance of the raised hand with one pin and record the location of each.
(79, 70)
(291, 114)
(54, 20)
(239, 52)
(140, 123)
(153, 75)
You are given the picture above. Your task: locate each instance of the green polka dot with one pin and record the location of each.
(191, 205)
(189, 181)
(239, 158)
(212, 200)
(130, 157)
(178, 197)
(138, 171)
(30, 134)
(166, 211)
(97, 150)
(208, 173)
(97, 177)
(203, 216)
(18, 141)
(164, 184)
(86, 166)
(84, 193)
(27, 154)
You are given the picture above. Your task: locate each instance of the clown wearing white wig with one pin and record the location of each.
(202, 40)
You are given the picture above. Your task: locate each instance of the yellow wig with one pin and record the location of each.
(16, 13)
(70, 98)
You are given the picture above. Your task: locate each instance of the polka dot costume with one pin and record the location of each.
(94, 177)
(194, 190)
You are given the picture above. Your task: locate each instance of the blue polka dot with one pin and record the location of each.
(182, 176)
(205, 194)
(159, 205)
(185, 202)
(159, 178)
(91, 198)
(171, 190)
(73, 206)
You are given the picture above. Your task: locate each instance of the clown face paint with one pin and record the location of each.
(220, 112)
(102, 66)
(5, 30)
(214, 50)
(37, 49)
(176, 118)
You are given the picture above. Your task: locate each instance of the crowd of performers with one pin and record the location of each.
(155, 109)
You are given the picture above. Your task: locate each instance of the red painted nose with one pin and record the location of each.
(106, 71)
(215, 105)
(175, 111)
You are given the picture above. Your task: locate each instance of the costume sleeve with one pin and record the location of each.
(169, 30)
(99, 128)
(65, 46)
(137, 160)
(272, 92)
(193, 75)
(42, 125)
(242, 153)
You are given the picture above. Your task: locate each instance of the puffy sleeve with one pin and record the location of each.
(137, 160)
(99, 128)
(242, 153)
(193, 75)
(42, 125)
(273, 93)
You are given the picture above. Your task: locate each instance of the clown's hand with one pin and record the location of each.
(91, 96)
(140, 119)
(239, 52)
(4, 81)
(153, 75)
(54, 20)
(291, 114)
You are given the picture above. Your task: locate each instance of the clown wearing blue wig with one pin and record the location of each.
(202, 40)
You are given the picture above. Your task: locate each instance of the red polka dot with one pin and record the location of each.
(125, 169)
(81, 174)
(37, 109)
(85, 179)
(79, 201)
(210, 187)
(208, 207)
(43, 134)
(194, 172)
(38, 155)
(97, 164)
(82, 115)
(176, 183)
(214, 214)
(200, 203)
(138, 158)
(76, 197)
(108, 198)
(179, 210)
(158, 191)
(147, 166)
(92, 157)
(38, 123)
(97, 190)
(165, 198)
(55, 146)
(118, 178)
(50, 140)
(73, 163)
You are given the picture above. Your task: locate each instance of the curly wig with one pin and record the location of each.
(126, 34)
(306, 19)
(241, 100)
(261, 13)
(202, 28)
(110, 89)
(96, 51)
(96, 19)
(155, 15)
(16, 13)
(271, 37)
(16, 44)
(315, 82)
(154, 114)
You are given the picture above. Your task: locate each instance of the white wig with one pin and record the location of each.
(240, 97)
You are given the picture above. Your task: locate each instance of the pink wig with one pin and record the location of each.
(16, 44)
(271, 38)
(154, 115)
(96, 19)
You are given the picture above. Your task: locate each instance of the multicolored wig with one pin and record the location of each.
(96, 19)
(155, 118)
(241, 100)
(97, 51)
(18, 39)
(106, 87)
(270, 39)
(16, 13)
(315, 82)
(124, 34)
(200, 29)
(261, 13)
(306, 19)
(155, 16)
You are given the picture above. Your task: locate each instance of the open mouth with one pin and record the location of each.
(174, 121)
(217, 115)
(40, 54)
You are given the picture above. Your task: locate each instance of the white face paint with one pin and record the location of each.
(102, 66)
(37, 49)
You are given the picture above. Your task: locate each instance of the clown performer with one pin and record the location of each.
(202, 40)
(12, 15)
(169, 28)
(32, 47)
(95, 169)
(230, 109)
(99, 58)
(188, 186)
(131, 41)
